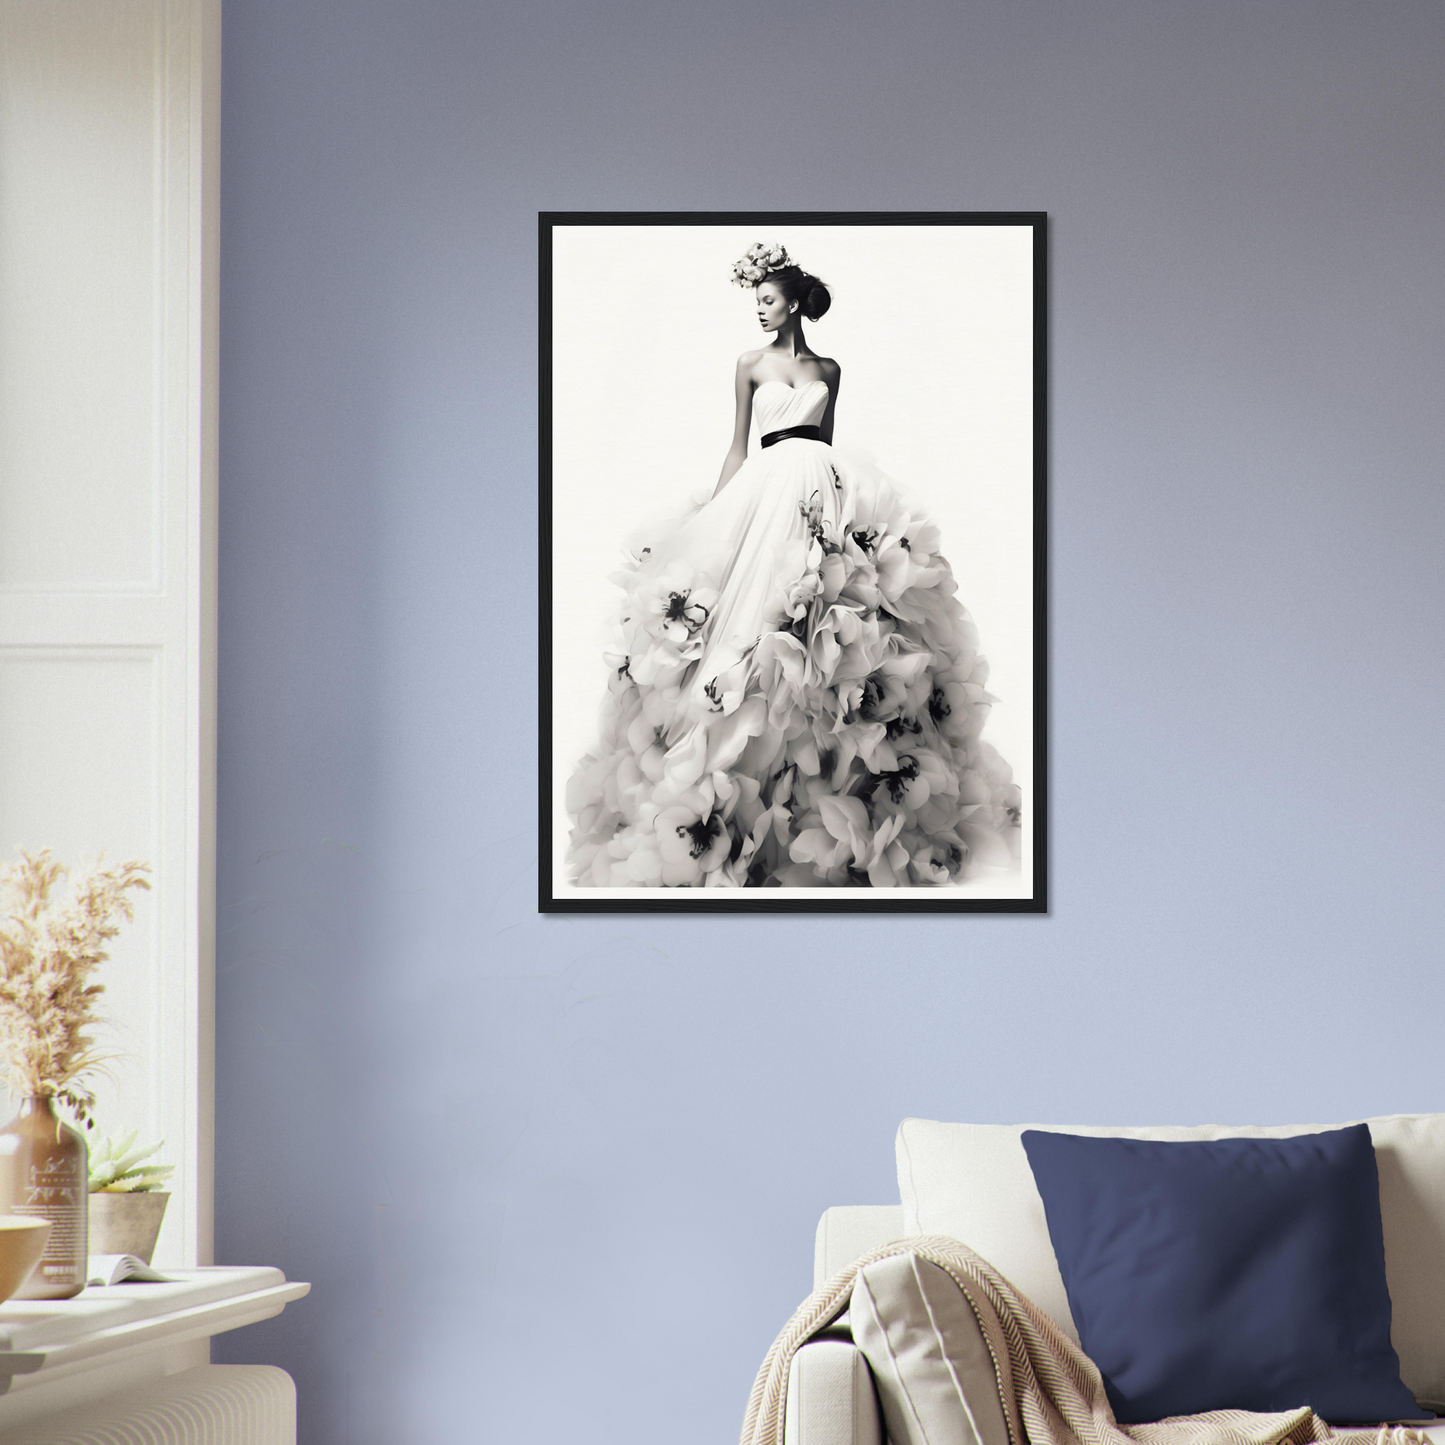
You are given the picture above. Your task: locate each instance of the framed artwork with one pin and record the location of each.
(792, 562)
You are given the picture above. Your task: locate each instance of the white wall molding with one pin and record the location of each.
(109, 163)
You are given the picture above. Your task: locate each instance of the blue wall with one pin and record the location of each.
(555, 1179)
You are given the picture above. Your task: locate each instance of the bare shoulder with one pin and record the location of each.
(830, 368)
(748, 361)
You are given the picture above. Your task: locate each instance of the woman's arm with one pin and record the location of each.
(833, 375)
(743, 389)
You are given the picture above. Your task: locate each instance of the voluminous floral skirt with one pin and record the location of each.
(795, 699)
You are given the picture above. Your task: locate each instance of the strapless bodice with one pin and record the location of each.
(778, 405)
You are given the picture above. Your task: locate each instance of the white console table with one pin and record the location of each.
(68, 1361)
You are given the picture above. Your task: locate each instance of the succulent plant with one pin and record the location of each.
(116, 1167)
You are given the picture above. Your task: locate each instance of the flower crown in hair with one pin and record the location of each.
(759, 262)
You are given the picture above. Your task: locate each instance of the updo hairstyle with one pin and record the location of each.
(762, 262)
(796, 284)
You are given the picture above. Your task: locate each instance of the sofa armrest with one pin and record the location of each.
(830, 1397)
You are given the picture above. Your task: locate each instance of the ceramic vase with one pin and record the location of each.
(44, 1174)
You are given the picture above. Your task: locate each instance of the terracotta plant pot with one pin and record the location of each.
(22, 1242)
(126, 1223)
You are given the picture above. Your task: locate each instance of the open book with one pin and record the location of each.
(121, 1269)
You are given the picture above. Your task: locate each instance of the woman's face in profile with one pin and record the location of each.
(773, 308)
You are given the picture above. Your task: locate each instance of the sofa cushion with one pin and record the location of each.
(973, 1181)
(1226, 1274)
(848, 1230)
(936, 1378)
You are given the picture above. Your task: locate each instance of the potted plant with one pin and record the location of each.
(127, 1202)
(50, 946)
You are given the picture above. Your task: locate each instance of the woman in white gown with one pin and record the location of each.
(796, 696)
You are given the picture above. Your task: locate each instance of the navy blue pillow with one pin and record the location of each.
(1226, 1273)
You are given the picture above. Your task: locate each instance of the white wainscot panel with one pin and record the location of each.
(109, 143)
(81, 301)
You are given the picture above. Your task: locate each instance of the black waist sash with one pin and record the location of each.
(808, 433)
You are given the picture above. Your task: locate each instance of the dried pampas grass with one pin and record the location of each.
(49, 948)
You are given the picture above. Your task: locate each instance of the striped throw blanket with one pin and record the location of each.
(1051, 1392)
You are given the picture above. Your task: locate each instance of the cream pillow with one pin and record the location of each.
(973, 1181)
(929, 1360)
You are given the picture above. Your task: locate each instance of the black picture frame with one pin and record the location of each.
(661, 301)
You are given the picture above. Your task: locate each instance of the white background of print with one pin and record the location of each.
(933, 328)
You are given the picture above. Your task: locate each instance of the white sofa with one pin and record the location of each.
(831, 1400)
(973, 1182)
